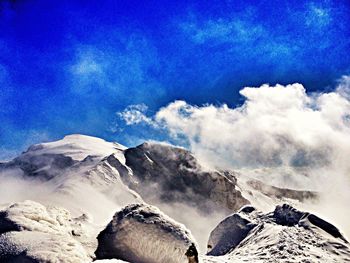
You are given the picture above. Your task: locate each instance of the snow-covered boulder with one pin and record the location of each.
(228, 234)
(284, 235)
(31, 232)
(142, 233)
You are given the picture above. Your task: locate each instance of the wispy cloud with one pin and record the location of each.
(318, 15)
(221, 31)
(123, 71)
(241, 34)
(250, 33)
(89, 71)
(136, 114)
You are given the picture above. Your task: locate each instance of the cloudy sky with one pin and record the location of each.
(135, 70)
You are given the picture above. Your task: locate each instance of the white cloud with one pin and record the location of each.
(275, 126)
(280, 126)
(135, 114)
(344, 87)
(281, 134)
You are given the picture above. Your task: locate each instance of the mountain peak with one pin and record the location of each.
(76, 146)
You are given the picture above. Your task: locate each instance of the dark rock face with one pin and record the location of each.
(7, 225)
(286, 215)
(44, 166)
(247, 209)
(289, 216)
(324, 225)
(18, 258)
(178, 177)
(228, 234)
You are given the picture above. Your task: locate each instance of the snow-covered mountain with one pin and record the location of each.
(77, 184)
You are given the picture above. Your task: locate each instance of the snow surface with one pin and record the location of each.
(77, 146)
(28, 230)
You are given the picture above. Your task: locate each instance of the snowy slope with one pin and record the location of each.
(75, 146)
(68, 173)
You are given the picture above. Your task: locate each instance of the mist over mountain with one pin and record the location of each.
(76, 184)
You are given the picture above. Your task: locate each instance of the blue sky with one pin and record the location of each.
(70, 66)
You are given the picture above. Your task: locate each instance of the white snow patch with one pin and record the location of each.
(78, 147)
(46, 234)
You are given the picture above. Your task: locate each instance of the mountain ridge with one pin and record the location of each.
(70, 173)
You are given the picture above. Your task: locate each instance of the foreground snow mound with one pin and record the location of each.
(285, 235)
(30, 232)
(142, 233)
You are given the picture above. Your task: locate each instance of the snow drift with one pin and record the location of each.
(30, 232)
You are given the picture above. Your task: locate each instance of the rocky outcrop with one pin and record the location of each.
(228, 234)
(288, 216)
(281, 193)
(141, 233)
(178, 177)
(45, 166)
